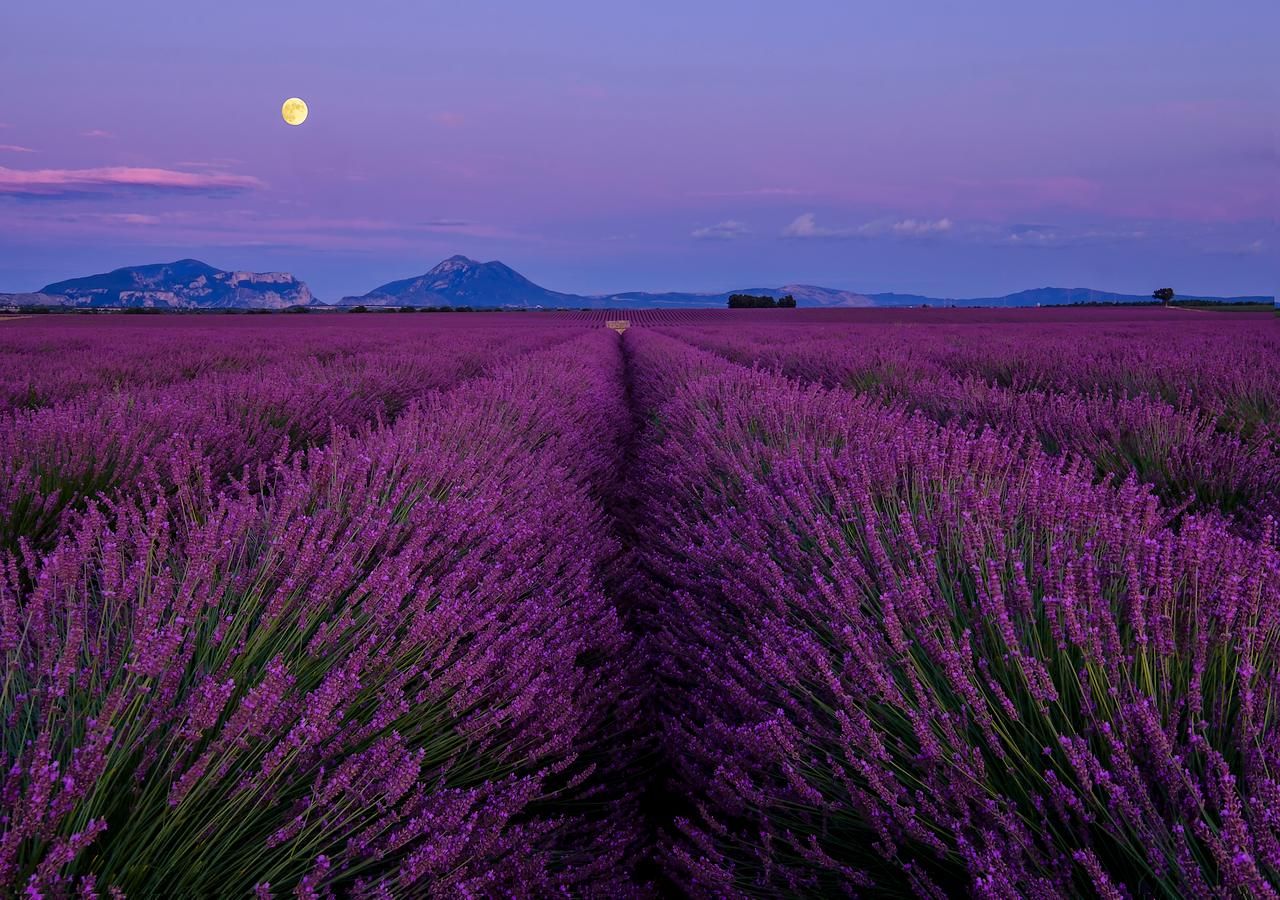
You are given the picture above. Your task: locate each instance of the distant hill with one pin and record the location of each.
(1046, 296)
(461, 281)
(185, 284)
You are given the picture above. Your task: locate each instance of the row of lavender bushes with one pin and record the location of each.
(55, 359)
(1222, 364)
(389, 669)
(218, 424)
(898, 657)
(1091, 393)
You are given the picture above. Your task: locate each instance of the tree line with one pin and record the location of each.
(753, 301)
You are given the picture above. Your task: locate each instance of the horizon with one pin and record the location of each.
(323, 300)
(963, 153)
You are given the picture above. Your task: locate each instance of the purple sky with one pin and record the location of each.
(956, 149)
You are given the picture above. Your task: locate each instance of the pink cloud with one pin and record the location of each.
(449, 119)
(14, 148)
(53, 182)
(96, 133)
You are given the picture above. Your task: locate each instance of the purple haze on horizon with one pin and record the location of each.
(956, 150)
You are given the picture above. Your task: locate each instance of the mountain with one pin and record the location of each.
(459, 281)
(1045, 296)
(185, 284)
(812, 295)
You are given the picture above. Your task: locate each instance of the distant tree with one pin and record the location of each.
(1164, 295)
(408, 309)
(787, 302)
(359, 308)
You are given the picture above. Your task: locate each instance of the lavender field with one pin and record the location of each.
(757, 603)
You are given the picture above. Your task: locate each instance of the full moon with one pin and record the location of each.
(294, 111)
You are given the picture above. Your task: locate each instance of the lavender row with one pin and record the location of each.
(1181, 449)
(53, 359)
(1227, 366)
(213, 427)
(896, 657)
(393, 674)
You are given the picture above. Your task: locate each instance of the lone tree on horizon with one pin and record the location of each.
(1164, 295)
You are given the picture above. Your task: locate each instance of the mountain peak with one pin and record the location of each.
(457, 261)
(462, 281)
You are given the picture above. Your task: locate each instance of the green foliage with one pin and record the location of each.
(753, 301)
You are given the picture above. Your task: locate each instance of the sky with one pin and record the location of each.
(953, 149)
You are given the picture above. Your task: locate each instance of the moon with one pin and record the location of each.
(294, 111)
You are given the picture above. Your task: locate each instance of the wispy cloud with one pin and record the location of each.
(121, 218)
(14, 148)
(1256, 247)
(721, 231)
(805, 226)
(60, 182)
(905, 228)
(450, 119)
(921, 227)
(133, 219)
(227, 226)
(96, 133)
(1051, 236)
